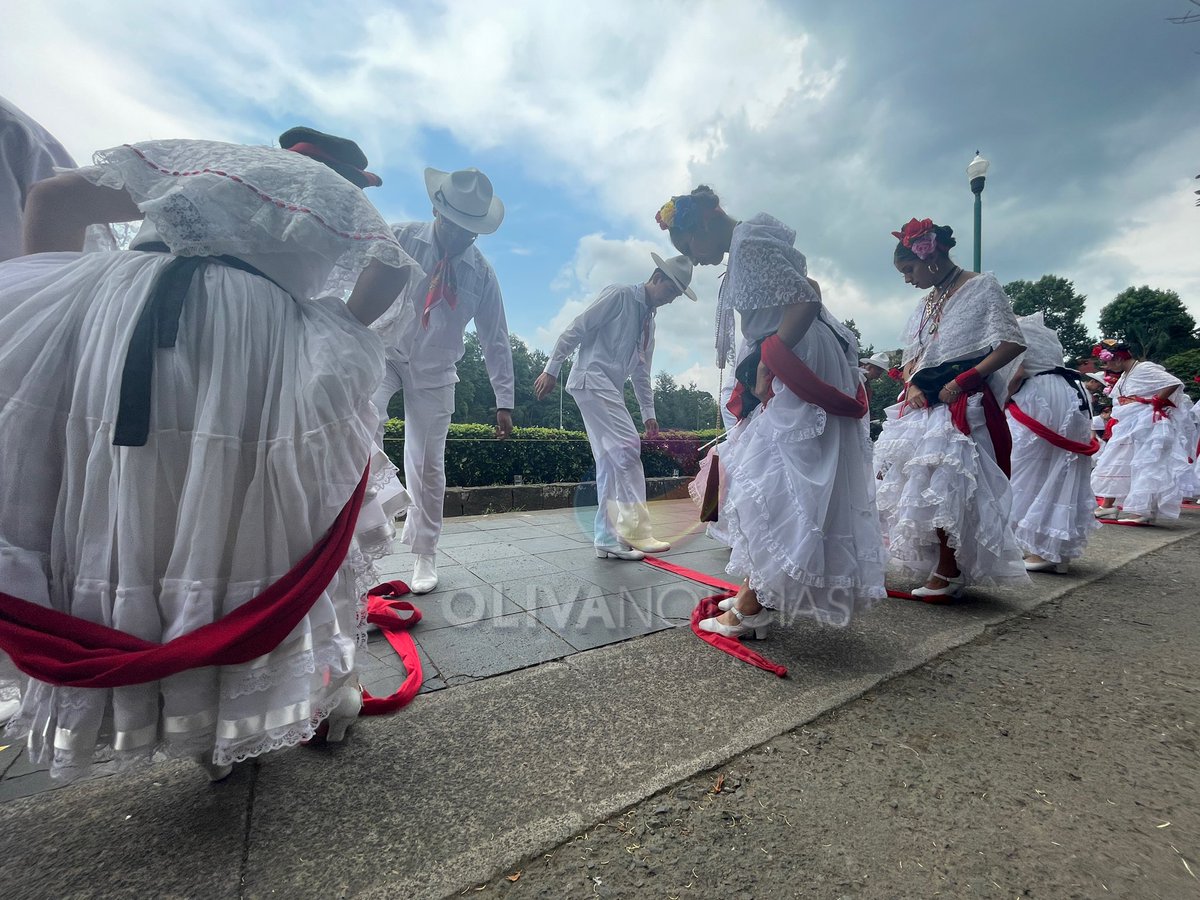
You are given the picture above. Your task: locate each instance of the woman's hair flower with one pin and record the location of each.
(925, 246)
(665, 217)
(915, 229)
(896, 375)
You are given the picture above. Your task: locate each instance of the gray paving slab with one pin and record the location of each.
(471, 538)
(458, 526)
(553, 542)
(489, 523)
(546, 590)
(479, 553)
(461, 606)
(598, 621)
(451, 579)
(23, 765)
(10, 752)
(673, 601)
(491, 646)
(498, 570)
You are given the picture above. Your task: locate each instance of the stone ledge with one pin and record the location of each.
(475, 501)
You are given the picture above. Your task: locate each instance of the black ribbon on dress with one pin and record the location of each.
(158, 327)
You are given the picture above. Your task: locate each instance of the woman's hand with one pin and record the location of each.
(915, 397)
(950, 392)
(762, 382)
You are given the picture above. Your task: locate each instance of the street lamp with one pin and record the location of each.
(977, 174)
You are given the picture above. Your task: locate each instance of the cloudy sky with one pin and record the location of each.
(842, 119)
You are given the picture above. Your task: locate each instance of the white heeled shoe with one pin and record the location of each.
(1137, 518)
(1044, 565)
(755, 625)
(1105, 512)
(425, 577)
(727, 604)
(605, 551)
(215, 773)
(952, 591)
(649, 544)
(344, 714)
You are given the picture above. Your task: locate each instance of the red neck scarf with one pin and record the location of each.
(443, 285)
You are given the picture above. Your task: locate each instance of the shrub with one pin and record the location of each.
(474, 458)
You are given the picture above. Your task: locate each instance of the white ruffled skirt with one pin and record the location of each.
(1144, 464)
(260, 428)
(1052, 498)
(799, 511)
(932, 476)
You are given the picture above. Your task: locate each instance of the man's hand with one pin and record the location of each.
(503, 424)
(544, 385)
(652, 428)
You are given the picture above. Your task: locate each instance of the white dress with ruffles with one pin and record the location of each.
(1144, 464)
(1051, 487)
(260, 428)
(799, 511)
(935, 477)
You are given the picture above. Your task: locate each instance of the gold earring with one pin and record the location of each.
(933, 269)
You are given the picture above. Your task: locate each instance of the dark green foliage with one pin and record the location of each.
(1063, 310)
(474, 458)
(1186, 366)
(1155, 322)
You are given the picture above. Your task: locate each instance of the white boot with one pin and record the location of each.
(424, 578)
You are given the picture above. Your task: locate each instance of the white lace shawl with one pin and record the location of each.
(976, 319)
(765, 271)
(1144, 380)
(1043, 350)
(207, 198)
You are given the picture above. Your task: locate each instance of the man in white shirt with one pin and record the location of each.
(615, 337)
(460, 286)
(28, 153)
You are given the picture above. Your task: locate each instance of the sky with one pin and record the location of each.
(843, 120)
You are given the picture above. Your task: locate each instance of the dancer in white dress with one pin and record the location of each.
(1052, 453)
(800, 508)
(1143, 465)
(157, 497)
(943, 452)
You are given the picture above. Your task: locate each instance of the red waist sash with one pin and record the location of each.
(972, 382)
(61, 649)
(1160, 404)
(804, 383)
(1052, 437)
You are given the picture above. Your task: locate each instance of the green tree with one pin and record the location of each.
(1063, 308)
(1186, 366)
(1155, 322)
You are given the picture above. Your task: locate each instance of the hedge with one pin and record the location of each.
(474, 458)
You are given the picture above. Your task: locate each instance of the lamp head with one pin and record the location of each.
(976, 173)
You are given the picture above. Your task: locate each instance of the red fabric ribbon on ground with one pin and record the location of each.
(707, 608)
(971, 382)
(382, 610)
(61, 649)
(1052, 437)
(443, 285)
(804, 383)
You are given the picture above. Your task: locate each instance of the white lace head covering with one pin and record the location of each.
(1043, 351)
(207, 198)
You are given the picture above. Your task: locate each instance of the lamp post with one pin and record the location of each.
(977, 174)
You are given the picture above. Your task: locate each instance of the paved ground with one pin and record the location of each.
(482, 771)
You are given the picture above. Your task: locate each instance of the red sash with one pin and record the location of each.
(61, 649)
(1052, 437)
(804, 383)
(972, 382)
(1160, 404)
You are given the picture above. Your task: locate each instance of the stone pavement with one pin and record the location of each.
(490, 765)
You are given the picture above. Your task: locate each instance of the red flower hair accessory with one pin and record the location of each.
(919, 236)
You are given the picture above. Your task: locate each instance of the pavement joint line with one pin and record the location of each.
(244, 865)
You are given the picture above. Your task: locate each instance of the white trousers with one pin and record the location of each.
(620, 480)
(427, 413)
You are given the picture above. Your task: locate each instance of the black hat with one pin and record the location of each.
(341, 154)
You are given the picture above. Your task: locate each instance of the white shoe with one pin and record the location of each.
(727, 604)
(1137, 518)
(1105, 512)
(755, 625)
(618, 552)
(1044, 565)
(345, 714)
(215, 773)
(648, 544)
(952, 591)
(424, 577)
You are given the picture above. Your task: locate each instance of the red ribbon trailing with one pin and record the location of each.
(707, 608)
(443, 285)
(1052, 437)
(61, 649)
(972, 382)
(382, 610)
